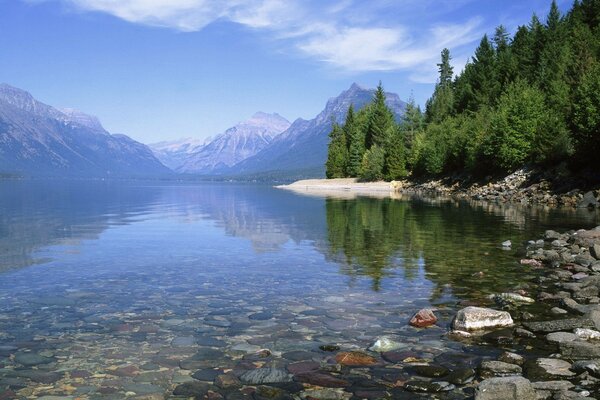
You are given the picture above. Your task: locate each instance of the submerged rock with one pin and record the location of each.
(428, 387)
(474, 318)
(32, 359)
(461, 376)
(423, 318)
(265, 375)
(355, 359)
(385, 343)
(325, 394)
(511, 298)
(430, 371)
(507, 388)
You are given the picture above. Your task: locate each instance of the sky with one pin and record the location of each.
(166, 69)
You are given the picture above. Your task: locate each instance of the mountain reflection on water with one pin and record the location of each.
(366, 237)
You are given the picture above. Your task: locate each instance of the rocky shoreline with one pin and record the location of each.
(525, 187)
(553, 355)
(550, 351)
(522, 187)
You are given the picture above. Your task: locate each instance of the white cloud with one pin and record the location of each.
(330, 33)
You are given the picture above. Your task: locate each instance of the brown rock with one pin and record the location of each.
(130, 370)
(423, 318)
(225, 381)
(321, 379)
(302, 367)
(355, 359)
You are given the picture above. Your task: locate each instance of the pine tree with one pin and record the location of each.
(337, 155)
(354, 129)
(441, 104)
(395, 156)
(412, 123)
(381, 120)
(483, 76)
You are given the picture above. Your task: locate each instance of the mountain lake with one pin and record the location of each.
(160, 289)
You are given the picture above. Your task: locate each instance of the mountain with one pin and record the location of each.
(174, 153)
(235, 144)
(78, 117)
(39, 140)
(301, 151)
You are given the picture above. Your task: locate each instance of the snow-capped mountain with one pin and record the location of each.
(235, 144)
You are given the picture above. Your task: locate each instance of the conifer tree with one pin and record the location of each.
(395, 156)
(337, 154)
(441, 104)
(381, 121)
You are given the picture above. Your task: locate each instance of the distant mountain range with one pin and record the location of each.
(267, 145)
(302, 149)
(174, 153)
(39, 140)
(224, 151)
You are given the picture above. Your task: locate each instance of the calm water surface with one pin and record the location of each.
(115, 288)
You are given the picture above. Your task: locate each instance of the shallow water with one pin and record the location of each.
(132, 286)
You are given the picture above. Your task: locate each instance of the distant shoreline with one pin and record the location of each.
(522, 187)
(341, 187)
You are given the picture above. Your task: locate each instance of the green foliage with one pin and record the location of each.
(586, 117)
(441, 104)
(514, 126)
(395, 156)
(381, 121)
(372, 164)
(533, 98)
(337, 155)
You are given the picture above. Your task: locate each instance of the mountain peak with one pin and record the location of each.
(16, 97)
(274, 121)
(356, 87)
(81, 118)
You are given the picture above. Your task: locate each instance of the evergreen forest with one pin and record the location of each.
(528, 99)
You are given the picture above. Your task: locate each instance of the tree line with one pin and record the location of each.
(529, 99)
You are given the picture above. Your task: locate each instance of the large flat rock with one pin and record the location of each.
(477, 318)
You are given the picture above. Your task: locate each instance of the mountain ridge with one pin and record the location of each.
(303, 146)
(37, 139)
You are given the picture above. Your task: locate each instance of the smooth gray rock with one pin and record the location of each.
(588, 201)
(507, 388)
(474, 318)
(561, 337)
(580, 350)
(511, 358)
(32, 359)
(265, 375)
(595, 251)
(559, 325)
(573, 306)
(489, 369)
(548, 369)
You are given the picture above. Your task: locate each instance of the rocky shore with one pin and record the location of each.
(523, 187)
(543, 341)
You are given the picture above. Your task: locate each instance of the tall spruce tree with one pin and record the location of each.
(381, 121)
(441, 104)
(337, 155)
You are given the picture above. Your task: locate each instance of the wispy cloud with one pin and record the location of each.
(330, 32)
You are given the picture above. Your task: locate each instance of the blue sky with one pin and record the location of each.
(165, 69)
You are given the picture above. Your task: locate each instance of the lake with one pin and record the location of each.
(124, 289)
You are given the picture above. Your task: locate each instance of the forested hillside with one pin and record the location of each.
(529, 99)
